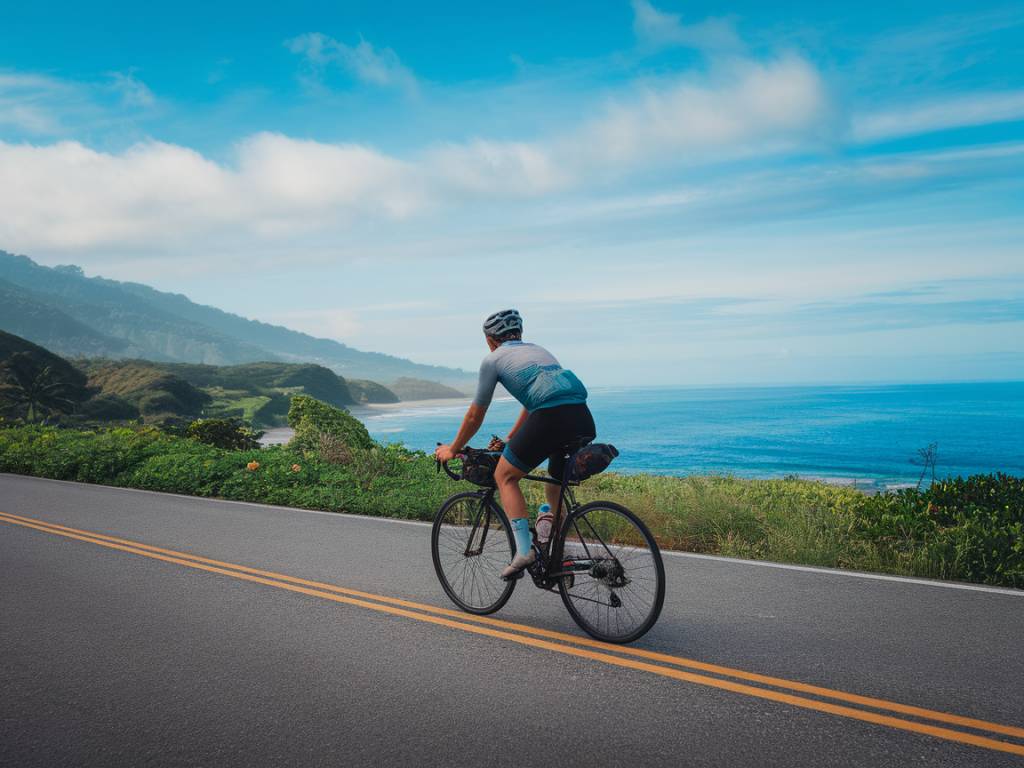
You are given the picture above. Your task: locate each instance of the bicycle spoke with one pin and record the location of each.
(471, 547)
(619, 594)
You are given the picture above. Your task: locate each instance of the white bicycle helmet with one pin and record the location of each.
(505, 321)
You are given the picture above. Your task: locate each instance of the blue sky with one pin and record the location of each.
(672, 193)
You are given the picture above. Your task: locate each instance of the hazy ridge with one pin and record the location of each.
(65, 311)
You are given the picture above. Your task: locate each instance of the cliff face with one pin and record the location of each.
(63, 310)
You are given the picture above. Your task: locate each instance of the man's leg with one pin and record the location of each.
(507, 477)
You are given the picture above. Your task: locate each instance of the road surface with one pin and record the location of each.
(306, 638)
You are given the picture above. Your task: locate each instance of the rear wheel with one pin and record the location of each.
(471, 544)
(617, 582)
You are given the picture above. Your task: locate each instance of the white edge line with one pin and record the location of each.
(667, 552)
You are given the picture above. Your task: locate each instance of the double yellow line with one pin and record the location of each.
(866, 709)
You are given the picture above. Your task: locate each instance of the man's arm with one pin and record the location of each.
(470, 425)
(475, 414)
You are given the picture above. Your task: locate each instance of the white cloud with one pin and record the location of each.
(746, 105)
(938, 115)
(376, 66)
(656, 29)
(66, 195)
(497, 168)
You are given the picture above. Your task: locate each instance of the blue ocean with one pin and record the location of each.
(864, 435)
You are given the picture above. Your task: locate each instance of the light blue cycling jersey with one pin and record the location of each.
(531, 375)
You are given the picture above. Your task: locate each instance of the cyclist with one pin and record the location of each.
(554, 413)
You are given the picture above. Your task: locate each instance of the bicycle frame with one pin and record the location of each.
(542, 573)
(544, 576)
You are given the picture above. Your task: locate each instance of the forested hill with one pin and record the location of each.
(65, 311)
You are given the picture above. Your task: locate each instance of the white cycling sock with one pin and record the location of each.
(521, 529)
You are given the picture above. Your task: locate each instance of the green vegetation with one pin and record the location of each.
(36, 384)
(313, 420)
(967, 529)
(255, 392)
(157, 393)
(366, 392)
(224, 433)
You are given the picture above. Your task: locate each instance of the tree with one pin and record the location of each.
(27, 384)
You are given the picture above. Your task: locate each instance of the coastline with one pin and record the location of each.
(409, 408)
(868, 440)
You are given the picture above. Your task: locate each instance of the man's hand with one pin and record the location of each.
(444, 453)
(496, 444)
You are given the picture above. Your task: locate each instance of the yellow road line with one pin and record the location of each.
(777, 682)
(242, 572)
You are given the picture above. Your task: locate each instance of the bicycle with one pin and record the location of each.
(600, 556)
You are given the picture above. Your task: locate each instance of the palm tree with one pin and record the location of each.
(25, 383)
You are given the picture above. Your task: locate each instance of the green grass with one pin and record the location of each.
(224, 402)
(970, 529)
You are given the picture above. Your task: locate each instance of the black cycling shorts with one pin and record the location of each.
(544, 435)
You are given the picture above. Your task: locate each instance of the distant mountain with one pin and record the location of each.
(63, 310)
(416, 389)
(26, 314)
(370, 392)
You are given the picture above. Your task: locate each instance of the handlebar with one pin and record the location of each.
(447, 470)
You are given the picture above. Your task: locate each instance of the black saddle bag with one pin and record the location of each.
(591, 460)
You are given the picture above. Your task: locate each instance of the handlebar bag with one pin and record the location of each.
(478, 467)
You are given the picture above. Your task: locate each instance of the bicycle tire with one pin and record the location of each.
(583, 589)
(473, 584)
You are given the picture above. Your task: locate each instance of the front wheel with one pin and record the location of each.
(613, 579)
(471, 544)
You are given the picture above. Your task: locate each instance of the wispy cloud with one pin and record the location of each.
(655, 29)
(956, 111)
(375, 66)
(927, 52)
(45, 106)
(30, 102)
(132, 91)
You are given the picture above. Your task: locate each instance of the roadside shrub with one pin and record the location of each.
(84, 455)
(183, 466)
(964, 528)
(333, 449)
(310, 418)
(231, 434)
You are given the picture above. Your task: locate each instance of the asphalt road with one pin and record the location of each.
(112, 657)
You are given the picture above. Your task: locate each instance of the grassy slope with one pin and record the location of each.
(241, 390)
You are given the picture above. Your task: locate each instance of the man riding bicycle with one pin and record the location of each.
(554, 414)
